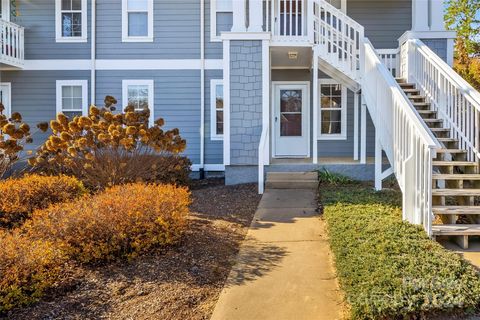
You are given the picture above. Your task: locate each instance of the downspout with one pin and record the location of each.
(202, 89)
(93, 54)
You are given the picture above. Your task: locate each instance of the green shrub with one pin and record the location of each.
(27, 268)
(332, 177)
(20, 197)
(388, 268)
(120, 222)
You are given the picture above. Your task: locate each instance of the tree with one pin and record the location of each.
(463, 16)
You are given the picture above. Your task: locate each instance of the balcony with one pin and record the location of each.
(12, 49)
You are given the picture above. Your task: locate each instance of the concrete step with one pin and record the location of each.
(313, 175)
(456, 192)
(467, 176)
(447, 210)
(291, 184)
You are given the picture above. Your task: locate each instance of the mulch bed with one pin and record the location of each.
(180, 282)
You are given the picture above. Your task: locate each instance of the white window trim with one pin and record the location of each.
(213, 21)
(5, 10)
(343, 135)
(8, 106)
(62, 83)
(125, 36)
(213, 108)
(58, 24)
(151, 95)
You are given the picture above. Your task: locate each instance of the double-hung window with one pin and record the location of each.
(72, 97)
(221, 14)
(71, 20)
(137, 20)
(139, 93)
(333, 111)
(216, 109)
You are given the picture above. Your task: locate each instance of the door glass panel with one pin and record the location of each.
(290, 113)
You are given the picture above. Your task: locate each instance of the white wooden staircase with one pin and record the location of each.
(456, 181)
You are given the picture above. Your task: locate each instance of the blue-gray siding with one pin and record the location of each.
(331, 148)
(176, 99)
(38, 18)
(34, 95)
(439, 46)
(384, 20)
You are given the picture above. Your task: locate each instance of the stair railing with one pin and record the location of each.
(338, 38)
(12, 48)
(408, 143)
(454, 99)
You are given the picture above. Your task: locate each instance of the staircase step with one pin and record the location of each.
(432, 121)
(456, 176)
(406, 85)
(447, 140)
(456, 192)
(456, 229)
(412, 91)
(299, 176)
(291, 184)
(400, 80)
(440, 129)
(421, 104)
(426, 112)
(416, 97)
(454, 164)
(453, 151)
(456, 210)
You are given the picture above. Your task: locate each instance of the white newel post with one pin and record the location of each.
(255, 16)
(239, 15)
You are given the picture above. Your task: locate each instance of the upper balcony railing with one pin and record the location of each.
(12, 52)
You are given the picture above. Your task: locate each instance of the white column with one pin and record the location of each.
(266, 93)
(420, 15)
(226, 102)
(255, 16)
(363, 135)
(356, 107)
(239, 15)
(378, 162)
(315, 107)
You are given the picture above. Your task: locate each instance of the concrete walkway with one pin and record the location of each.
(284, 268)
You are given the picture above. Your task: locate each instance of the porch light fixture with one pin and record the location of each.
(293, 55)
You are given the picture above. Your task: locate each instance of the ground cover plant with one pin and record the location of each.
(109, 148)
(21, 196)
(390, 269)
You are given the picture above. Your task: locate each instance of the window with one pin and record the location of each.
(221, 15)
(333, 111)
(72, 97)
(137, 20)
(139, 93)
(71, 20)
(216, 109)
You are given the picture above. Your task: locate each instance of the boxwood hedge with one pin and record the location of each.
(390, 269)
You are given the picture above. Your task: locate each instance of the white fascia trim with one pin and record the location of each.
(125, 36)
(427, 35)
(151, 94)
(213, 109)
(82, 83)
(343, 135)
(8, 107)
(208, 167)
(86, 64)
(58, 24)
(245, 36)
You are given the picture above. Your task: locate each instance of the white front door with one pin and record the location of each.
(291, 120)
(5, 97)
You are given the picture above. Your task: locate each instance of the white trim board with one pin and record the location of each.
(151, 95)
(58, 24)
(83, 84)
(133, 64)
(8, 106)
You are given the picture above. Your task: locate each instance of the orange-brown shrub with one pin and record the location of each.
(122, 221)
(20, 197)
(106, 148)
(27, 268)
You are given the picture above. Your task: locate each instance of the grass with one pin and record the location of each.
(390, 269)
